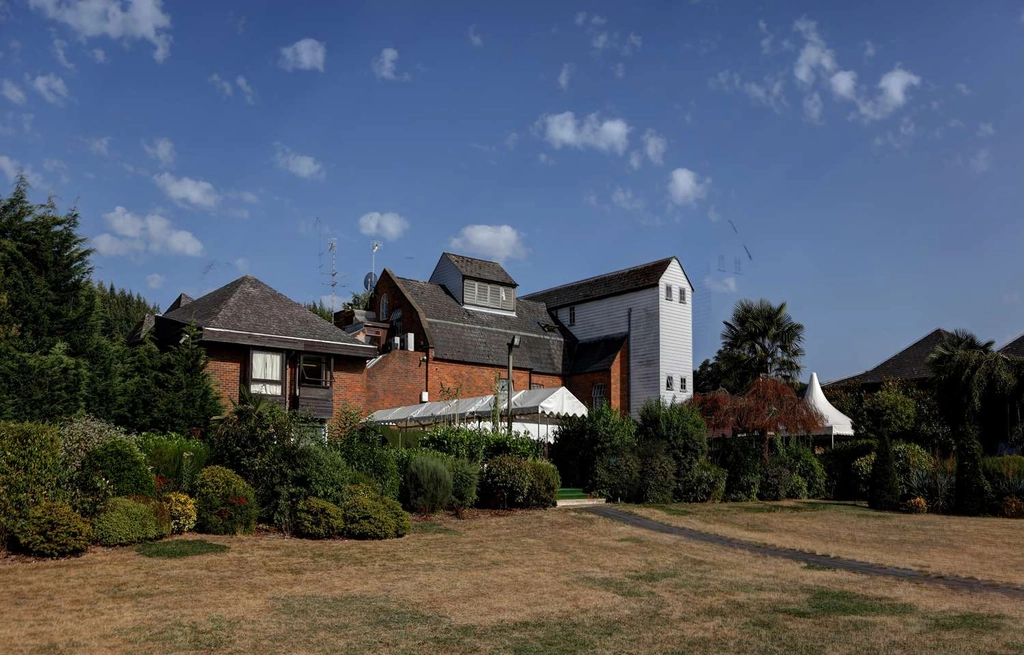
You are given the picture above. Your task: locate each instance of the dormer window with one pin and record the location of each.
(488, 294)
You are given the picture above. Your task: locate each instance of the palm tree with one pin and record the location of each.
(967, 373)
(763, 339)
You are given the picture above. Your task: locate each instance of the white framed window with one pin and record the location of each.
(572, 314)
(668, 383)
(668, 292)
(682, 295)
(266, 373)
(682, 383)
(383, 307)
(598, 395)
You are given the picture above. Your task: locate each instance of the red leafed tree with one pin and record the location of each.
(715, 409)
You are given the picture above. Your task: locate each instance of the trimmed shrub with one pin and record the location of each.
(365, 452)
(174, 459)
(505, 482)
(1012, 507)
(161, 513)
(908, 458)
(30, 471)
(775, 479)
(465, 479)
(182, 510)
(225, 503)
(322, 473)
(706, 484)
(682, 431)
(915, 506)
(972, 490)
(841, 481)
(741, 458)
(374, 518)
(657, 478)
(796, 487)
(122, 465)
(428, 483)
(82, 434)
(54, 530)
(544, 484)
(802, 461)
(318, 519)
(124, 521)
(582, 443)
(616, 476)
(884, 492)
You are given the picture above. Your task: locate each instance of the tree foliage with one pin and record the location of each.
(761, 339)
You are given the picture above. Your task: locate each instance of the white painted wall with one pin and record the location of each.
(448, 276)
(676, 334)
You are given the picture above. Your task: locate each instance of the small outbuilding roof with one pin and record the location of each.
(535, 404)
(480, 269)
(603, 286)
(596, 354)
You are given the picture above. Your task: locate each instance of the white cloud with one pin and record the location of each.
(58, 51)
(154, 280)
(303, 166)
(135, 235)
(98, 56)
(136, 20)
(11, 168)
(713, 214)
(162, 150)
(52, 88)
(384, 66)
(769, 93)
(636, 160)
(844, 85)
(725, 285)
(963, 89)
(307, 55)
(13, 92)
(387, 225)
(986, 130)
(981, 161)
(620, 70)
(188, 192)
(581, 18)
(99, 146)
(497, 242)
(815, 57)
(511, 139)
(545, 159)
(893, 94)
(686, 187)
(57, 166)
(625, 199)
(869, 49)
(592, 132)
(247, 196)
(563, 77)
(222, 85)
(474, 36)
(247, 91)
(241, 264)
(655, 146)
(813, 107)
(768, 37)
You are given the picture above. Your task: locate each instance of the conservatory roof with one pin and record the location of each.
(535, 404)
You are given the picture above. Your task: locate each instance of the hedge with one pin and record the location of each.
(225, 503)
(124, 521)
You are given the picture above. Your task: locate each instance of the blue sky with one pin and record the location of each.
(866, 155)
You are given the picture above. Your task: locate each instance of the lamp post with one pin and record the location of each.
(514, 343)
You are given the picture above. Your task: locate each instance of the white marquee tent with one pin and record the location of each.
(836, 423)
(531, 411)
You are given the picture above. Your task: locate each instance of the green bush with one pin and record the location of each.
(682, 431)
(182, 511)
(53, 530)
(774, 481)
(936, 485)
(801, 460)
(908, 458)
(124, 521)
(318, 519)
(428, 483)
(616, 475)
(544, 484)
(122, 466)
(656, 482)
(174, 459)
(82, 434)
(479, 444)
(161, 512)
(884, 490)
(842, 482)
(583, 443)
(505, 482)
(31, 472)
(796, 487)
(741, 459)
(705, 484)
(322, 472)
(374, 517)
(972, 495)
(465, 479)
(365, 452)
(226, 504)
(1005, 476)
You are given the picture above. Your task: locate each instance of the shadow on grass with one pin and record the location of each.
(180, 548)
(968, 622)
(831, 602)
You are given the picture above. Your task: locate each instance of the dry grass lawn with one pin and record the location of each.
(541, 582)
(986, 548)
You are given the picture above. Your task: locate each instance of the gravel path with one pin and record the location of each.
(842, 564)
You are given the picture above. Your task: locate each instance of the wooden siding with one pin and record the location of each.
(676, 334)
(448, 276)
(609, 316)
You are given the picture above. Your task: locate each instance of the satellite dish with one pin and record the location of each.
(369, 281)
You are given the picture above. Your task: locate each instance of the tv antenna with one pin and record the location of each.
(373, 258)
(332, 275)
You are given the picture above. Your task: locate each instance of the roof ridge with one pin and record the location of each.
(597, 277)
(905, 349)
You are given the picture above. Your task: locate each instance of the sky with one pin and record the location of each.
(859, 161)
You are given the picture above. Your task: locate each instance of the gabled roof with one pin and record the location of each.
(603, 286)
(480, 269)
(179, 302)
(481, 337)
(911, 363)
(249, 311)
(596, 354)
(1015, 348)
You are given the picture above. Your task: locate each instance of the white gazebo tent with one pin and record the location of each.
(531, 411)
(836, 423)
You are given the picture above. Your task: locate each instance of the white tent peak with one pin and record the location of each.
(836, 423)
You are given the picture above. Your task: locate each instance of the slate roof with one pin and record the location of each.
(482, 337)
(911, 363)
(1015, 348)
(480, 269)
(250, 306)
(603, 286)
(179, 302)
(596, 354)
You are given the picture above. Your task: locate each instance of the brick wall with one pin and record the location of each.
(410, 321)
(615, 380)
(227, 363)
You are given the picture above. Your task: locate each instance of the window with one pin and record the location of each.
(682, 295)
(314, 371)
(668, 292)
(534, 385)
(668, 383)
(484, 294)
(682, 383)
(597, 395)
(267, 373)
(572, 314)
(383, 307)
